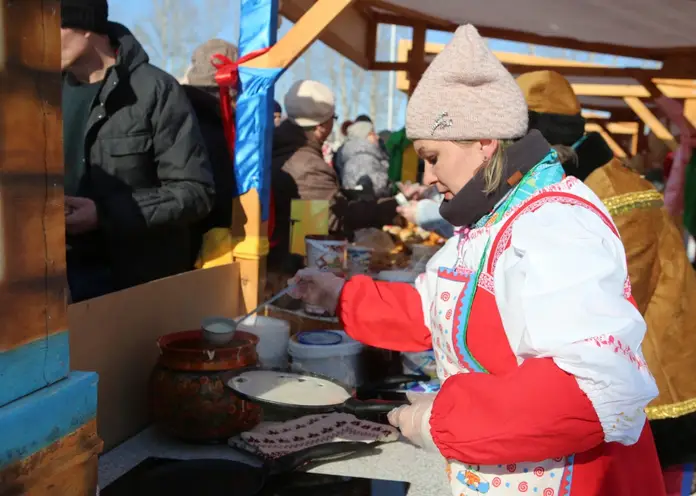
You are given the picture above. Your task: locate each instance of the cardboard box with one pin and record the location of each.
(307, 217)
(116, 335)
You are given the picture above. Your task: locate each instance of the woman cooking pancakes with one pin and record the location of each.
(528, 307)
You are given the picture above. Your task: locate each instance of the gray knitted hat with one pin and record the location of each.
(466, 94)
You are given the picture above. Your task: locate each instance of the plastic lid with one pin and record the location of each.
(319, 338)
(345, 347)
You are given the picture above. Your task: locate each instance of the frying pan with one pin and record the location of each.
(213, 477)
(352, 405)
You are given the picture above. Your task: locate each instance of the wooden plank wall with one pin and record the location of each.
(48, 440)
(32, 249)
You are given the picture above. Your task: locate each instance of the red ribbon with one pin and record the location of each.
(227, 78)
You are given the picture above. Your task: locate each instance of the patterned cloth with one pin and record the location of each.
(273, 440)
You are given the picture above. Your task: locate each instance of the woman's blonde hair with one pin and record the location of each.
(493, 169)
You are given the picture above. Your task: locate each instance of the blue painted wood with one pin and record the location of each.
(254, 106)
(32, 366)
(40, 419)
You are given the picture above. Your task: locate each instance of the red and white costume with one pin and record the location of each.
(543, 380)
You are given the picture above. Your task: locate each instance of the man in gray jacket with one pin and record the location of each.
(137, 174)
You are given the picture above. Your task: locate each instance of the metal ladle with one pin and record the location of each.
(227, 336)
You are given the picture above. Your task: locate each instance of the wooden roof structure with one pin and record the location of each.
(650, 30)
(612, 105)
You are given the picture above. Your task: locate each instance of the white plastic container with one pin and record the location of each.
(273, 340)
(330, 353)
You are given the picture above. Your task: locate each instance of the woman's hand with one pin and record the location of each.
(409, 211)
(414, 421)
(317, 288)
(412, 191)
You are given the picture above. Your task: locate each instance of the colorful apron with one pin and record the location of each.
(457, 287)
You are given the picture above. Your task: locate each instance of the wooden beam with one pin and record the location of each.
(573, 44)
(683, 77)
(630, 90)
(402, 16)
(305, 31)
(615, 147)
(642, 138)
(651, 121)
(622, 127)
(520, 63)
(590, 114)
(416, 58)
(389, 66)
(347, 35)
(371, 42)
(690, 110)
(2, 36)
(635, 143)
(617, 113)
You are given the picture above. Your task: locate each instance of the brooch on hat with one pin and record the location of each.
(442, 121)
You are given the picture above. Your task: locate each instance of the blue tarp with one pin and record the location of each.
(254, 114)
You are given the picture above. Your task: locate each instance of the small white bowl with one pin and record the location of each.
(218, 330)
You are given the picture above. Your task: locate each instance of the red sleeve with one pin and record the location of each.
(535, 413)
(385, 315)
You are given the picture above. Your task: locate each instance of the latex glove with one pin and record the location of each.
(414, 423)
(318, 288)
(412, 191)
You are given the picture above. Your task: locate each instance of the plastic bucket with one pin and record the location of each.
(359, 258)
(273, 340)
(325, 252)
(330, 353)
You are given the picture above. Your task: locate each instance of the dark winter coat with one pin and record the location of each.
(300, 172)
(148, 169)
(363, 165)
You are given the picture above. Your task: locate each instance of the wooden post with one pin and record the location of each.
(48, 439)
(635, 141)
(249, 232)
(32, 270)
(642, 138)
(690, 110)
(651, 120)
(615, 147)
(416, 58)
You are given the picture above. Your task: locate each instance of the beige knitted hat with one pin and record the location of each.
(202, 72)
(309, 103)
(466, 94)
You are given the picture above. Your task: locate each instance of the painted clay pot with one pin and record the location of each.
(188, 398)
